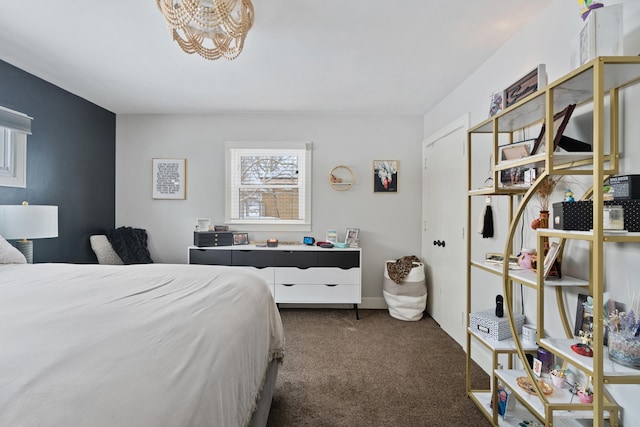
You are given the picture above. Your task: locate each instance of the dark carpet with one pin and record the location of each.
(376, 371)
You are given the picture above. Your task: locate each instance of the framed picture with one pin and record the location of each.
(584, 315)
(514, 151)
(525, 86)
(496, 103)
(385, 176)
(560, 121)
(537, 367)
(332, 236)
(351, 235)
(550, 257)
(240, 238)
(169, 179)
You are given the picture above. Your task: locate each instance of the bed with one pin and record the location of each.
(136, 345)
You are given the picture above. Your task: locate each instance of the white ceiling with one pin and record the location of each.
(326, 56)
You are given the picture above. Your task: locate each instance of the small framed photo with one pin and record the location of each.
(240, 238)
(537, 367)
(351, 235)
(584, 314)
(510, 152)
(560, 121)
(551, 257)
(385, 176)
(496, 104)
(332, 236)
(169, 179)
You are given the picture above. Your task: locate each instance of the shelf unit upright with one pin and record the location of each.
(592, 84)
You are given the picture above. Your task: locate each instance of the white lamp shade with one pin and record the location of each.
(28, 221)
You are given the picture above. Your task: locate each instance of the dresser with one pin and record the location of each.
(295, 274)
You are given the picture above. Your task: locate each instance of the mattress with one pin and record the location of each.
(135, 345)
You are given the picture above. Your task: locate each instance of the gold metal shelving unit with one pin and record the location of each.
(594, 84)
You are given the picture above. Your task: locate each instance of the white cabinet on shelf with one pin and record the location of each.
(592, 86)
(295, 273)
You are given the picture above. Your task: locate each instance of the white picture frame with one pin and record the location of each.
(169, 179)
(537, 367)
(351, 235)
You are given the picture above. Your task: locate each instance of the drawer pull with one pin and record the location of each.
(288, 284)
(331, 284)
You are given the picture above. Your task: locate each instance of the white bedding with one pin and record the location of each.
(137, 345)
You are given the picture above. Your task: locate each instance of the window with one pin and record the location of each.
(268, 184)
(7, 159)
(14, 128)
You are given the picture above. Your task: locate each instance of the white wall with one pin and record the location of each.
(389, 223)
(549, 39)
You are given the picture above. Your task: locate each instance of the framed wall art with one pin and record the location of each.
(385, 176)
(169, 179)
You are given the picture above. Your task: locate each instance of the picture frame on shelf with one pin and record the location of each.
(351, 235)
(496, 103)
(584, 316)
(526, 85)
(560, 121)
(537, 367)
(551, 257)
(514, 151)
(169, 179)
(385, 176)
(240, 238)
(332, 236)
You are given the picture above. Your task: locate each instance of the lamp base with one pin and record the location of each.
(26, 247)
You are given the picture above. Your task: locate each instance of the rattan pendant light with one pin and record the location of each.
(211, 28)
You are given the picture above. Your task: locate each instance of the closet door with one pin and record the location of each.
(444, 188)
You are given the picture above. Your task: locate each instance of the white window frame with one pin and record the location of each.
(14, 128)
(232, 152)
(14, 172)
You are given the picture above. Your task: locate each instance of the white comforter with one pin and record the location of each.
(139, 345)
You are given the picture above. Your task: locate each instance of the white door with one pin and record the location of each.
(444, 205)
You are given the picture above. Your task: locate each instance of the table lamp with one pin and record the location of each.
(23, 222)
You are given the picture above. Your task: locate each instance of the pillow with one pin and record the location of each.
(104, 251)
(9, 254)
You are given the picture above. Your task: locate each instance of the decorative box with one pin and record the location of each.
(625, 187)
(490, 326)
(576, 215)
(579, 215)
(212, 238)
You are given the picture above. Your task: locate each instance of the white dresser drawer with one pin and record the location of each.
(349, 294)
(317, 276)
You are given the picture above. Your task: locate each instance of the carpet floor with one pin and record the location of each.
(376, 371)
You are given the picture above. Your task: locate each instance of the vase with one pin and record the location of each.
(558, 381)
(544, 223)
(584, 397)
(624, 349)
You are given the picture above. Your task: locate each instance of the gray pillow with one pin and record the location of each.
(103, 250)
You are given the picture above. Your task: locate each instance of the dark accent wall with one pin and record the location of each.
(70, 163)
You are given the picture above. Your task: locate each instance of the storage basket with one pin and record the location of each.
(488, 325)
(407, 300)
